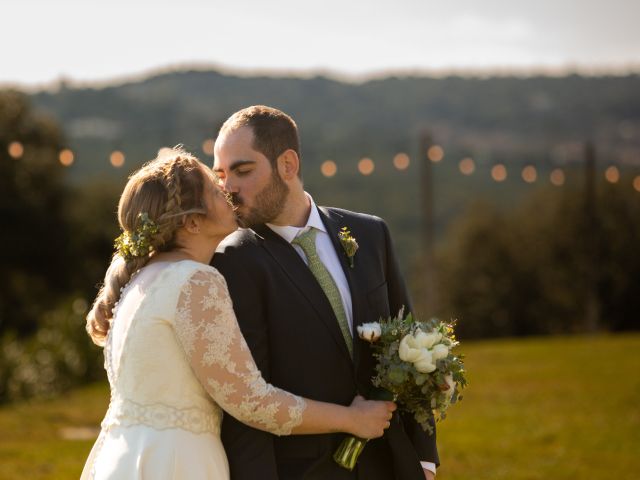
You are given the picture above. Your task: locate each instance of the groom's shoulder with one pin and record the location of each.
(351, 216)
(241, 239)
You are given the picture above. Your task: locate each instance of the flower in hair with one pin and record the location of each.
(137, 243)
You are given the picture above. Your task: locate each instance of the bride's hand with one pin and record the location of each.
(370, 418)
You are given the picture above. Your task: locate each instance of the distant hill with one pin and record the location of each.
(538, 120)
(492, 116)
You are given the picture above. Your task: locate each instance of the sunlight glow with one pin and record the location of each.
(435, 153)
(401, 161)
(499, 172)
(557, 177)
(16, 150)
(117, 159)
(207, 147)
(467, 166)
(529, 174)
(329, 168)
(366, 166)
(66, 157)
(612, 174)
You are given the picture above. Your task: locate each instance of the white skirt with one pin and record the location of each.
(144, 453)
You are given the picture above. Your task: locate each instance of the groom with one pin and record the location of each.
(299, 299)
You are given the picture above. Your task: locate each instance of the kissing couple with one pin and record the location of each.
(230, 351)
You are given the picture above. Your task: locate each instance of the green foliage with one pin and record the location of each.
(509, 119)
(516, 272)
(34, 241)
(349, 244)
(526, 271)
(52, 249)
(424, 394)
(91, 213)
(59, 356)
(139, 242)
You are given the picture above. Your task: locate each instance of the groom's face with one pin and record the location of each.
(257, 191)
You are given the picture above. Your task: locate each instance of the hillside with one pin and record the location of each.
(517, 121)
(345, 121)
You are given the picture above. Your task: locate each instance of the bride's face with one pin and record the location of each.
(220, 219)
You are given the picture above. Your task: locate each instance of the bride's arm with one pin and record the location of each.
(208, 331)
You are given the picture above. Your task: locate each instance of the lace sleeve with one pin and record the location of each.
(207, 329)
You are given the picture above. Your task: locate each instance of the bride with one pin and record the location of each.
(174, 354)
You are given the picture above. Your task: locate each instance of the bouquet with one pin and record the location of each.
(416, 368)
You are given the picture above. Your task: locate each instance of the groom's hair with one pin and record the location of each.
(273, 131)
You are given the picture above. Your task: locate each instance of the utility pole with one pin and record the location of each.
(427, 196)
(592, 239)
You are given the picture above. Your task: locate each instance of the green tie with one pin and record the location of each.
(307, 241)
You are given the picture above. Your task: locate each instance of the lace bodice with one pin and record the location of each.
(175, 355)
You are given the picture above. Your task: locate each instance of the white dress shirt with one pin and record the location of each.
(329, 257)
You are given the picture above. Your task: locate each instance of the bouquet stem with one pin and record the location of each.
(351, 447)
(348, 452)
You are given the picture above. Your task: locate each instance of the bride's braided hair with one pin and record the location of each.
(165, 190)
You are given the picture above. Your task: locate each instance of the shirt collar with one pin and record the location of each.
(289, 232)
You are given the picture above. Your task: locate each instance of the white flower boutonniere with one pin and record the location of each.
(348, 243)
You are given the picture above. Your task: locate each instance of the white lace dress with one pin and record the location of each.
(175, 358)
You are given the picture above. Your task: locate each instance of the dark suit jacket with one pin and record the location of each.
(296, 342)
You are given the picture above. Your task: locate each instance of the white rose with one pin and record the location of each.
(370, 331)
(424, 363)
(427, 340)
(408, 351)
(439, 351)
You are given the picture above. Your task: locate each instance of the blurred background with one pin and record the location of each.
(499, 140)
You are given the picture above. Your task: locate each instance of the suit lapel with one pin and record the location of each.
(334, 222)
(300, 275)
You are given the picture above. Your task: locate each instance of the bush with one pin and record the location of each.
(59, 356)
(544, 267)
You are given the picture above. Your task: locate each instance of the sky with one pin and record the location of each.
(42, 41)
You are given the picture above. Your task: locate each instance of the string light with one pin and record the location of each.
(117, 158)
(529, 174)
(66, 157)
(612, 174)
(435, 153)
(557, 177)
(329, 168)
(499, 172)
(366, 166)
(208, 147)
(467, 166)
(16, 150)
(401, 161)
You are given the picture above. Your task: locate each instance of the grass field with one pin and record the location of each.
(543, 408)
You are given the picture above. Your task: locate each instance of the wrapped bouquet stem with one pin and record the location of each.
(351, 447)
(416, 367)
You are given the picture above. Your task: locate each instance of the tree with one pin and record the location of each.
(34, 243)
(526, 271)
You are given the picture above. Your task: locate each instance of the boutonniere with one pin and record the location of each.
(348, 243)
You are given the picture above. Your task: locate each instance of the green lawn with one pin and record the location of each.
(544, 408)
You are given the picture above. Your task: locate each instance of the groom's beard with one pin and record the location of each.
(267, 205)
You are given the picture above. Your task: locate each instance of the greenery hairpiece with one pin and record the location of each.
(137, 243)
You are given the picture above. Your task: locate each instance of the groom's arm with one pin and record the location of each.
(250, 452)
(398, 295)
